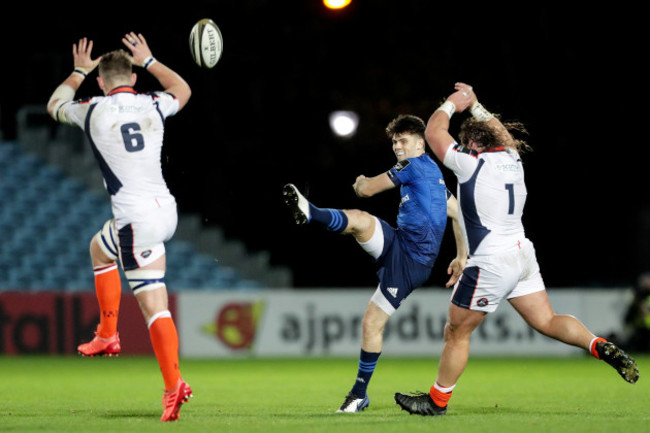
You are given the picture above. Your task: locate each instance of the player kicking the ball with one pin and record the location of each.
(502, 263)
(125, 130)
(404, 255)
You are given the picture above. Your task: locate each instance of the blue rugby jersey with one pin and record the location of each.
(422, 216)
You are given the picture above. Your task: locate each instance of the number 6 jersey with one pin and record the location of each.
(125, 130)
(491, 194)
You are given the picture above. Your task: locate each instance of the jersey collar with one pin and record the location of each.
(122, 89)
(494, 149)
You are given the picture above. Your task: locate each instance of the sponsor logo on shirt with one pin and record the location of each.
(507, 168)
(401, 165)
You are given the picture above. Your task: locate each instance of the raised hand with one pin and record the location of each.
(81, 54)
(140, 51)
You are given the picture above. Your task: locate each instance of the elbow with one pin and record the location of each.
(187, 93)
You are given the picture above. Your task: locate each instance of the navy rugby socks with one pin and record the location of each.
(367, 364)
(334, 219)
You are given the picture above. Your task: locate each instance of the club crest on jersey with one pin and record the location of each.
(145, 254)
(401, 165)
(482, 302)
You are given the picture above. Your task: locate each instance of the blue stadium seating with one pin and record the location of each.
(47, 220)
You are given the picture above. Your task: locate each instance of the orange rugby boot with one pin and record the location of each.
(172, 400)
(99, 346)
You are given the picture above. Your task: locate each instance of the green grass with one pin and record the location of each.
(70, 394)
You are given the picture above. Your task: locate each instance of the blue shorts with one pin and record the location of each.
(399, 274)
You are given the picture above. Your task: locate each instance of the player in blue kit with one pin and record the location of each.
(502, 263)
(404, 255)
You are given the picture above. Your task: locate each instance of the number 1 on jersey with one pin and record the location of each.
(511, 198)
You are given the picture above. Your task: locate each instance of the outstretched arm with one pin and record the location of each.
(83, 65)
(457, 265)
(168, 79)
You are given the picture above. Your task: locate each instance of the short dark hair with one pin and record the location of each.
(115, 64)
(406, 123)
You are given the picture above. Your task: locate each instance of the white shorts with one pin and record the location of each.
(487, 280)
(141, 239)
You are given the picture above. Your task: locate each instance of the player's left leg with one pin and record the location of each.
(374, 321)
(150, 291)
(530, 300)
(536, 310)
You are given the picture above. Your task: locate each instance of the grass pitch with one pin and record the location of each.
(71, 394)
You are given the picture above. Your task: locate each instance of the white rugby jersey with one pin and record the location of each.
(125, 130)
(491, 194)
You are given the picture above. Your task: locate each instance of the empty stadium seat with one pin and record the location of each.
(48, 219)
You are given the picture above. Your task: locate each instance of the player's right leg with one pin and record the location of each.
(108, 289)
(461, 323)
(305, 212)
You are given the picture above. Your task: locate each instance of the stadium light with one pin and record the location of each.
(336, 4)
(344, 123)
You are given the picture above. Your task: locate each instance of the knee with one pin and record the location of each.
(452, 332)
(461, 330)
(373, 325)
(370, 327)
(97, 255)
(359, 221)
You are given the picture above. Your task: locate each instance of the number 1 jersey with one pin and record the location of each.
(491, 193)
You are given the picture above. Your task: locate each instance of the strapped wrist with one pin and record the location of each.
(81, 71)
(448, 107)
(148, 62)
(480, 113)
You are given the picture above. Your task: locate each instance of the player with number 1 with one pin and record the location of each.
(502, 262)
(125, 130)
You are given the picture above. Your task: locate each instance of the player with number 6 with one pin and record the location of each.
(125, 130)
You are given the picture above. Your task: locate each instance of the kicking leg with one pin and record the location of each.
(354, 222)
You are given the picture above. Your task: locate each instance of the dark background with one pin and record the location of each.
(574, 76)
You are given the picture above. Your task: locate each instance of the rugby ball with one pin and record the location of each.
(206, 43)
